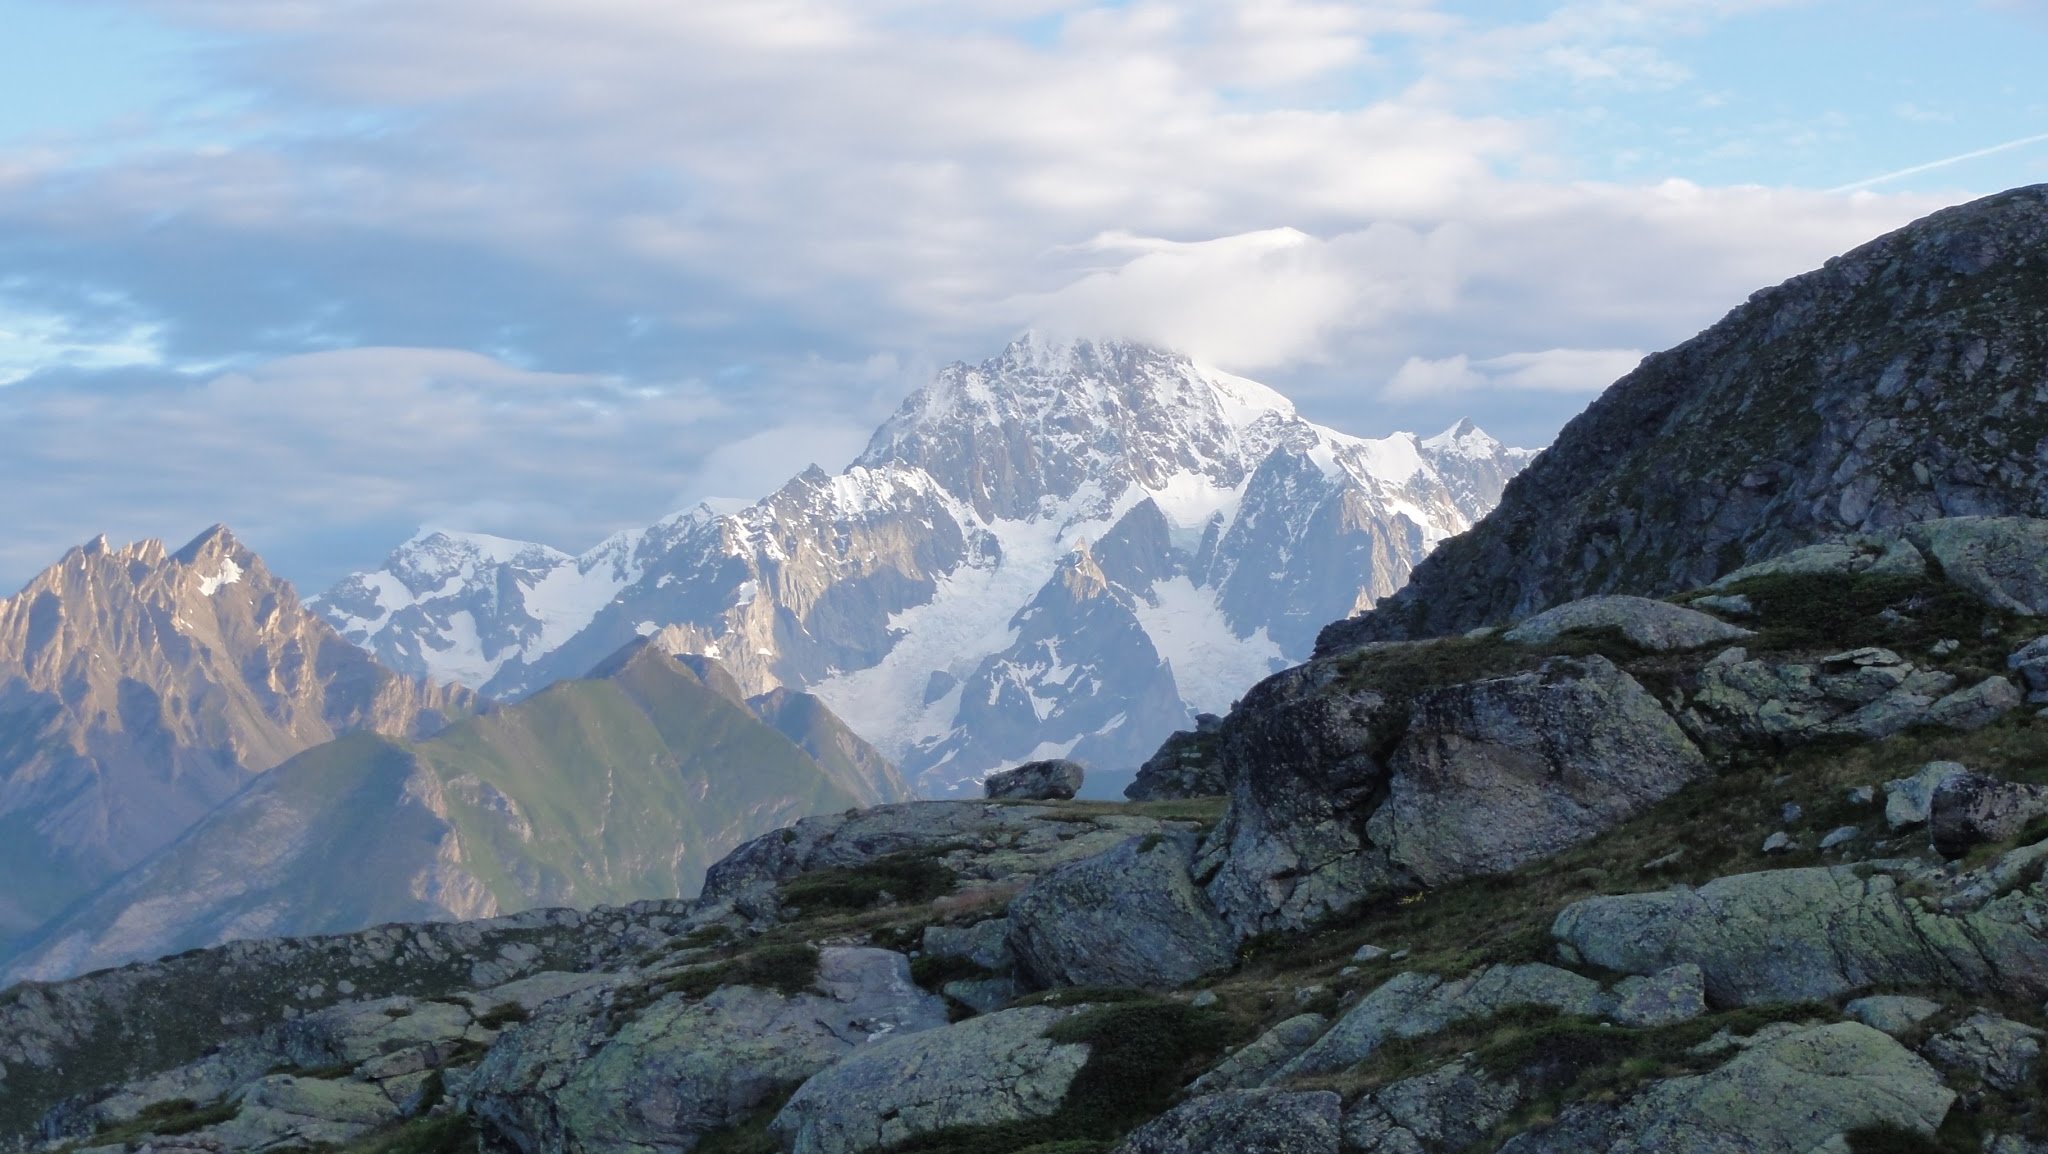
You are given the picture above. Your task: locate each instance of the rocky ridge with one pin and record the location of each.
(140, 687)
(1063, 551)
(1901, 382)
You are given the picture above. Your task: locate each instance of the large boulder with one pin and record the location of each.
(1817, 934)
(1130, 917)
(1343, 795)
(1970, 809)
(984, 1071)
(1499, 773)
(2003, 560)
(1304, 756)
(1657, 626)
(1243, 1122)
(1054, 780)
(684, 1067)
(1790, 1091)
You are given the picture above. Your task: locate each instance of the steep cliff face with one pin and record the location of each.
(1904, 381)
(140, 687)
(948, 553)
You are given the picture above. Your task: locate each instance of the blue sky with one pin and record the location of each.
(332, 269)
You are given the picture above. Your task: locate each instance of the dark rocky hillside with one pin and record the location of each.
(1904, 381)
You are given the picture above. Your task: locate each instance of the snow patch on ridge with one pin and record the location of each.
(229, 574)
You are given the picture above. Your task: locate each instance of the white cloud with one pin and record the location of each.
(708, 215)
(1584, 371)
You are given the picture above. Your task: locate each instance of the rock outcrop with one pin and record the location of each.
(1817, 934)
(1244, 1122)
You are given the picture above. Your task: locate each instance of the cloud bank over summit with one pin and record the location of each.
(626, 231)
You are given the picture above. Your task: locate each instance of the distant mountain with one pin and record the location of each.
(617, 788)
(139, 688)
(1064, 550)
(1901, 382)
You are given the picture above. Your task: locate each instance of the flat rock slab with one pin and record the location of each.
(1790, 1091)
(983, 1071)
(1657, 626)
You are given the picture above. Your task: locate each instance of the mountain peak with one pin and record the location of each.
(215, 542)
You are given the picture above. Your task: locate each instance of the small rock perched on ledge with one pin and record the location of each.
(1055, 780)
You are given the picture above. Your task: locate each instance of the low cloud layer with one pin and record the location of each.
(547, 269)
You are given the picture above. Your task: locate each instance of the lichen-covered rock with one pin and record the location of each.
(1894, 1014)
(986, 843)
(1185, 766)
(1243, 1122)
(996, 1068)
(685, 1067)
(1972, 809)
(1787, 1092)
(1850, 555)
(1658, 626)
(1678, 994)
(1448, 1108)
(1869, 693)
(1816, 934)
(1909, 801)
(1977, 706)
(1054, 780)
(2030, 664)
(1256, 1062)
(1499, 773)
(986, 943)
(284, 1111)
(1412, 1005)
(2004, 560)
(2000, 1052)
(1130, 917)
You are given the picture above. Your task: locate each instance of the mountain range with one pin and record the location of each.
(621, 787)
(1067, 550)
(140, 688)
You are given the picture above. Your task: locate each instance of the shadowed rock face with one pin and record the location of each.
(1899, 383)
(1340, 797)
(139, 688)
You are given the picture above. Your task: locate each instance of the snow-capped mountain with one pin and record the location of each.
(1065, 549)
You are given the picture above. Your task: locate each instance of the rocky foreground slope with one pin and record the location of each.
(140, 687)
(1759, 868)
(1904, 381)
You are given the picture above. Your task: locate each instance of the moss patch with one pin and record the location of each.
(913, 877)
